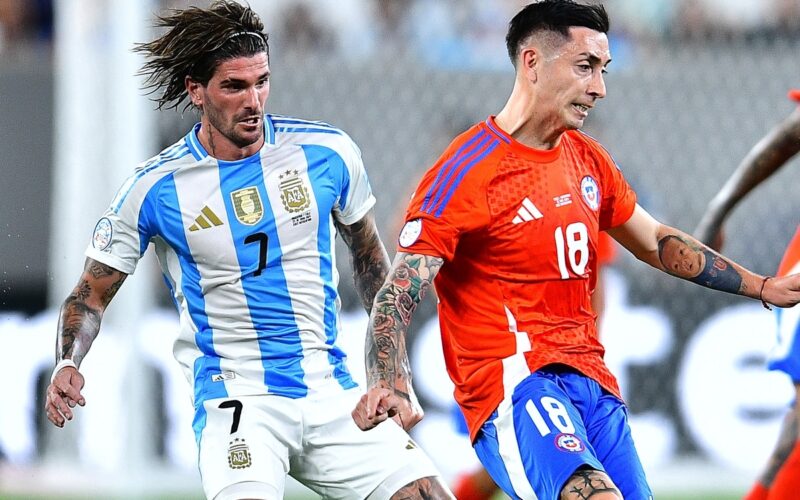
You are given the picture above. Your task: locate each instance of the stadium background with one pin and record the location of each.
(693, 84)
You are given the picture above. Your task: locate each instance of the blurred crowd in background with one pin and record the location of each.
(445, 32)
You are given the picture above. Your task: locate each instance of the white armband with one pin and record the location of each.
(62, 364)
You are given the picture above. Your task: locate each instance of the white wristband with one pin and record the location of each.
(62, 364)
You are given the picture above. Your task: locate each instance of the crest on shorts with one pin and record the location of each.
(294, 193)
(590, 192)
(239, 454)
(569, 442)
(247, 205)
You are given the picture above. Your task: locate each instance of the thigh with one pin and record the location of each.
(339, 460)
(246, 440)
(610, 435)
(533, 445)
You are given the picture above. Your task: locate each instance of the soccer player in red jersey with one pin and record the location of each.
(506, 224)
(781, 478)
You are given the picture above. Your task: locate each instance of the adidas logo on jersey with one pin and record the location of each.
(527, 212)
(205, 220)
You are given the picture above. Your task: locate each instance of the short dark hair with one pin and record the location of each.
(556, 16)
(196, 42)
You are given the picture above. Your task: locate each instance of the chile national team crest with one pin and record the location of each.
(590, 192)
(569, 442)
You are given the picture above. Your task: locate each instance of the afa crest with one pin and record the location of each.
(239, 455)
(294, 193)
(247, 205)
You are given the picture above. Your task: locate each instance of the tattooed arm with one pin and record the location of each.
(677, 253)
(78, 325)
(367, 255)
(763, 160)
(390, 392)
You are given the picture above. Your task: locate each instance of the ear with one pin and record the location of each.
(194, 89)
(530, 58)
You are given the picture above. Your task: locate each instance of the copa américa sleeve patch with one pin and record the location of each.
(410, 233)
(103, 232)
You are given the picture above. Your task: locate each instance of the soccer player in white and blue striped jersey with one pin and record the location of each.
(243, 212)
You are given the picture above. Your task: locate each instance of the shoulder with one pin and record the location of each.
(286, 130)
(589, 146)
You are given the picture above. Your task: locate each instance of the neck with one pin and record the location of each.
(519, 120)
(222, 148)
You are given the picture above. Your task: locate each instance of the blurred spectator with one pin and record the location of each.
(303, 32)
(25, 22)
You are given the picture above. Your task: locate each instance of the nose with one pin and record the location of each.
(252, 98)
(597, 86)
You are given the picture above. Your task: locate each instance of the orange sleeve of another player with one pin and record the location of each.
(794, 95)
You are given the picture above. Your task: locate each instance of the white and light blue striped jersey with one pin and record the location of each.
(247, 249)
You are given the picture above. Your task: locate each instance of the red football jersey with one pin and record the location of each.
(518, 230)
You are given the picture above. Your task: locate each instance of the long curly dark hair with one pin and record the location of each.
(196, 42)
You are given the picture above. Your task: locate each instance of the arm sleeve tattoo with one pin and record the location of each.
(387, 358)
(82, 311)
(686, 258)
(368, 258)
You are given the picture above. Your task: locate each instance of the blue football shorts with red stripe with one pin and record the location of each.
(559, 421)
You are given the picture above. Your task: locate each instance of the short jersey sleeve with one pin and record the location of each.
(355, 198)
(121, 235)
(449, 201)
(619, 199)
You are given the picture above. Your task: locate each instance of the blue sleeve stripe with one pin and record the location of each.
(297, 121)
(466, 168)
(457, 157)
(309, 130)
(168, 155)
(497, 132)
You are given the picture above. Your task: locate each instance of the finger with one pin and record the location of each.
(53, 416)
(71, 392)
(59, 402)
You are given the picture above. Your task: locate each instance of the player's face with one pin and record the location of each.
(233, 105)
(570, 79)
(682, 260)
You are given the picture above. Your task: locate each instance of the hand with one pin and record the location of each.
(63, 394)
(783, 291)
(381, 403)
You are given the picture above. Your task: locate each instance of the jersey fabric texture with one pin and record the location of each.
(247, 250)
(560, 420)
(518, 230)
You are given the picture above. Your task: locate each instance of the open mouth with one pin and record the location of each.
(582, 109)
(252, 121)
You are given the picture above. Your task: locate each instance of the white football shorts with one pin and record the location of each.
(249, 444)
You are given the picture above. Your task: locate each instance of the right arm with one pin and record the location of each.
(78, 326)
(390, 393)
(763, 160)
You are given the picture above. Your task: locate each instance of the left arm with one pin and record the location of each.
(678, 254)
(367, 255)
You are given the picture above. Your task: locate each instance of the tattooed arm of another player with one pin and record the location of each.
(764, 159)
(368, 257)
(78, 326)
(678, 254)
(390, 392)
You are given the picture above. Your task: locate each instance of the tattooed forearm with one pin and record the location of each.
(82, 311)
(368, 257)
(387, 358)
(687, 259)
(587, 483)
